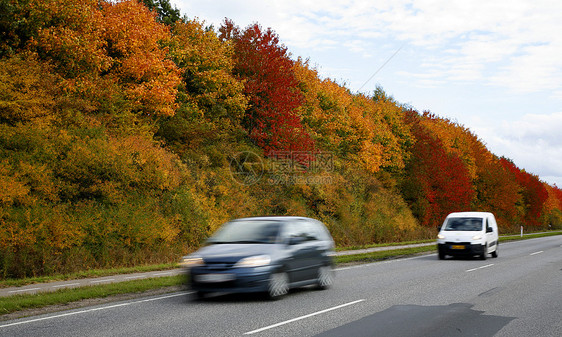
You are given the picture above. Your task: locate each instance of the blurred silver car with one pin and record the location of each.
(263, 254)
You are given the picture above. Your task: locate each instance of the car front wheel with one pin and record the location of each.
(278, 285)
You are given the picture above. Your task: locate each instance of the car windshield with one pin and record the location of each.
(247, 231)
(464, 224)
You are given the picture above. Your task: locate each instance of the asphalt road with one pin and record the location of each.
(54, 286)
(517, 294)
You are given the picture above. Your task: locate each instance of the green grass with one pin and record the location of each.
(85, 274)
(21, 302)
(515, 237)
(384, 244)
(383, 255)
(63, 296)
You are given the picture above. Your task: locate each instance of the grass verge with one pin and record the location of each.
(338, 249)
(382, 255)
(85, 274)
(528, 236)
(63, 296)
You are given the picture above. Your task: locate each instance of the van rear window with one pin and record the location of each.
(463, 224)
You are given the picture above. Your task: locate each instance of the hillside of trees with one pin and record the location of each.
(125, 130)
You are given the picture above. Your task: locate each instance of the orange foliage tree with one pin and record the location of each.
(553, 207)
(367, 131)
(101, 45)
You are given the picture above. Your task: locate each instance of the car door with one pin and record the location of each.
(314, 249)
(491, 241)
(298, 252)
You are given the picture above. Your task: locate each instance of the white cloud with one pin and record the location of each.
(513, 44)
(541, 128)
(533, 142)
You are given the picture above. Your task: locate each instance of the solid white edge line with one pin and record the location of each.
(165, 273)
(106, 280)
(66, 285)
(94, 309)
(486, 266)
(302, 317)
(134, 277)
(535, 253)
(22, 290)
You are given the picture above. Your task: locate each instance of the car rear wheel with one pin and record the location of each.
(325, 277)
(278, 285)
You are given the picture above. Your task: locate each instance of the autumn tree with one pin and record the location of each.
(455, 138)
(355, 127)
(211, 100)
(532, 191)
(27, 90)
(552, 211)
(141, 65)
(267, 71)
(103, 49)
(497, 191)
(436, 182)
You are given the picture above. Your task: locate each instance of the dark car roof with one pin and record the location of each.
(276, 217)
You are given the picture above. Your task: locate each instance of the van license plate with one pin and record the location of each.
(212, 278)
(457, 247)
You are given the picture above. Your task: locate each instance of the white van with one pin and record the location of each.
(468, 234)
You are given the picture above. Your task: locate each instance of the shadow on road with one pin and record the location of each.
(414, 320)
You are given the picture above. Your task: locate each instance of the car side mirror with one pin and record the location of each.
(489, 230)
(295, 240)
(439, 228)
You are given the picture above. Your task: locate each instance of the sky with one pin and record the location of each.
(494, 67)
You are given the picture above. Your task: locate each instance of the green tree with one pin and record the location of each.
(166, 13)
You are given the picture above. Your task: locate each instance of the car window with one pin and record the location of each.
(300, 228)
(248, 231)
(464, 224)
(308, 230)
(321, 231)
(291, 230)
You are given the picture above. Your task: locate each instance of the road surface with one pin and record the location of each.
(54, 286)
(517, 294)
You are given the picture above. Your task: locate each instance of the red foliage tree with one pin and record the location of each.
(498, 192)
(533, 192)
(436, 182)
(271, 86)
